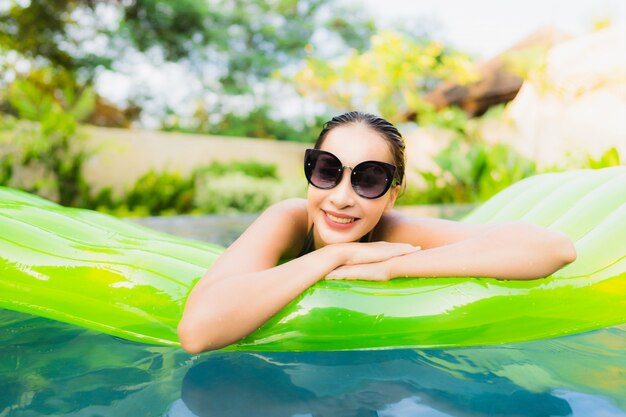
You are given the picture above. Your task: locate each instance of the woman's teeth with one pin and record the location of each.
(343, 220)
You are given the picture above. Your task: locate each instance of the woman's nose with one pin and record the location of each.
(342, 195)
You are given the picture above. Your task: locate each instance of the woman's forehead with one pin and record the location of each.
(357, 143)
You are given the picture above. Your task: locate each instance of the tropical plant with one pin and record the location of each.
(44, 151)
(470, 173)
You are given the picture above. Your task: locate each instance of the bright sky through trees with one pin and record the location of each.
(487, 27)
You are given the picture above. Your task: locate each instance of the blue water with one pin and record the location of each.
(49, 368)
(53, 369)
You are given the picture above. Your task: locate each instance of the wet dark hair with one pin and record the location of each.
(379, 125)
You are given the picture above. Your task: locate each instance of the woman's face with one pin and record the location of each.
(339, 214)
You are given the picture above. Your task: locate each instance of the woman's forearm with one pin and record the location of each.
(509, 251)
(220, 313)
(222, 309)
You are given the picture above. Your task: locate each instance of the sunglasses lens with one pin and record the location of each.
(323, 170)
(370, 180)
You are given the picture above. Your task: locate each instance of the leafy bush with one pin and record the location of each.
(237, 187)
(470, 173)
(154, 193)
(43, 151)
(609, 159)
(249, 168)
(162, 193)
(239, 193)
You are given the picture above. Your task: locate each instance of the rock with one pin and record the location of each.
(497, 83)
(577, 105)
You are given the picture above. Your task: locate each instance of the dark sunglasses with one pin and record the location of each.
(370, 179)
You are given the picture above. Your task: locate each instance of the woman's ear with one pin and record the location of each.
(393, 195)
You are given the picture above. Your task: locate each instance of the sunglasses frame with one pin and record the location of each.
(389, 169)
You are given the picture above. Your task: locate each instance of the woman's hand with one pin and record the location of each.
(375, 271)
(368, 261)
(365, 253)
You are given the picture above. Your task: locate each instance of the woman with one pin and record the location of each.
(346, 229)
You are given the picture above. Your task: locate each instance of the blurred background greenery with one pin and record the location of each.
(247, 61)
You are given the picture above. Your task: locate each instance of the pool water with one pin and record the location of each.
(48, 368)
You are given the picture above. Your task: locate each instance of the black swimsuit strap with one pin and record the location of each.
(309, 242)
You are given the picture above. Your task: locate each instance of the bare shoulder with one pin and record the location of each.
(290, 215)
(426, 232)
(291, 206)
(275, 234)
(281, 226)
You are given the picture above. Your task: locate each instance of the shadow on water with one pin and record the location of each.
(581, 375)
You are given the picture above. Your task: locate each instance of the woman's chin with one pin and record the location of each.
(330, 237)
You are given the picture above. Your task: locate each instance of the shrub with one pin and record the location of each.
(43, 151)
(249, 168)
(239, 193)
(470, 173)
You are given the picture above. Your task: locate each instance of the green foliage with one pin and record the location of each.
(45, 145)
(608, 159)
(231, 47)
(242, 187)
(161, 193)
(392, 77)
(47, 30)
(470, 173)
(239, 193)
(244, 40)
(249, 168)
(259, 123)
(175, 26)
(453, 119)
(577, 160)
(236, 187)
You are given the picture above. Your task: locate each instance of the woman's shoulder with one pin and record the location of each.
(390, 224)
(426, 232)
(290, 221)
(295, 208)
(274, 233)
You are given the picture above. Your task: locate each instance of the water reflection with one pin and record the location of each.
(580, 376)
(352, 384)
(53, 369)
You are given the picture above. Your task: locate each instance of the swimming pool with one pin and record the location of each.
(49, 368)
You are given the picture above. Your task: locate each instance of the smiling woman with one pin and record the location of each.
(347, 230)
(90, 269)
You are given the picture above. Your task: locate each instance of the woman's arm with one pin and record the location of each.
(245, 288)
(509, 251)
(517, 250)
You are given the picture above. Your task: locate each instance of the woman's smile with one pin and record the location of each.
(339, 221)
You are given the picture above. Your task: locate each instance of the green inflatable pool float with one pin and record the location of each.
(93, 270)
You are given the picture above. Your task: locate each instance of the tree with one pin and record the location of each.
(390, 78)
(245, 41)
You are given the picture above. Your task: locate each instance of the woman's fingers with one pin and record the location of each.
(378, 251)
(377, 271)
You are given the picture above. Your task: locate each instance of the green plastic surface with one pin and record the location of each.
(93, 270)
